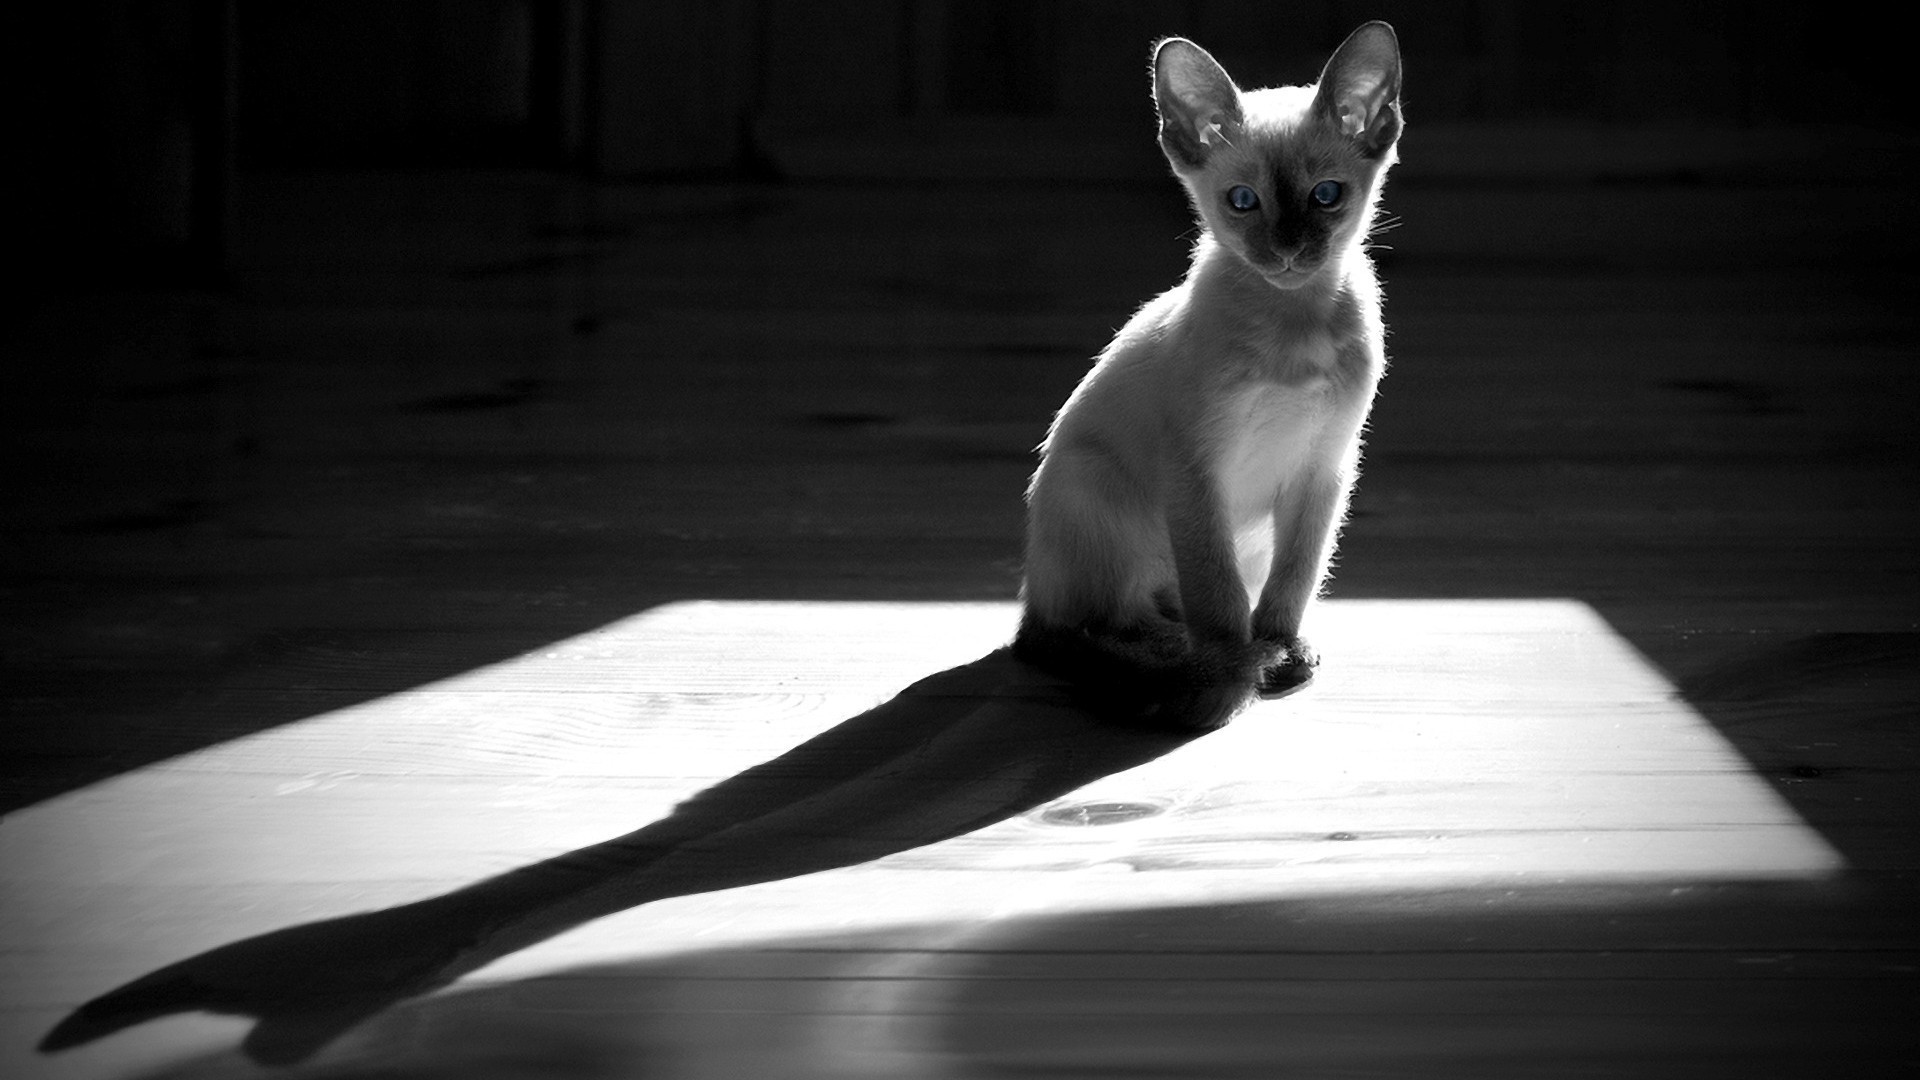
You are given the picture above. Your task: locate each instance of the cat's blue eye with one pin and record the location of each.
(1242, 198)
(1326, 193)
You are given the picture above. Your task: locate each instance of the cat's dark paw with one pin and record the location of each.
(1290, 669)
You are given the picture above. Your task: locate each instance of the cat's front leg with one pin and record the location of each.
(1213, 601)
(1304, 521)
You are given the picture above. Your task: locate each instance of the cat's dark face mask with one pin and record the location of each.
(1286, 178)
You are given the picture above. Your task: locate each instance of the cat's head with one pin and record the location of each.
(1285, 178)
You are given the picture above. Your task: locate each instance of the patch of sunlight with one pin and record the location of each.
(1456, 743)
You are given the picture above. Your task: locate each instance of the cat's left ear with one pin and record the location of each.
(1359, 90)
(1199, 105)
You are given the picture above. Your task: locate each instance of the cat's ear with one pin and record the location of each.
(1199, 105)
(1359, 91)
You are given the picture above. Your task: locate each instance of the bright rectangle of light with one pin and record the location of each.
(1445, 744)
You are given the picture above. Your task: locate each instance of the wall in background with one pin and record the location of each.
(135, 111)
(661, 87)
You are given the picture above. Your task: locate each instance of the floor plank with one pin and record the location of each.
(1498, 745)
(498, 517)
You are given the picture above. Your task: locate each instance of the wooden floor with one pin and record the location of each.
(535, 628)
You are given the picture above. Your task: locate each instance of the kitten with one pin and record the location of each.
(1190, 490)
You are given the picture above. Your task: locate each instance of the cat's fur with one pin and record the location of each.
(1190, 490)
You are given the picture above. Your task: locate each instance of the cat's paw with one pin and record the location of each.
(1290, 668)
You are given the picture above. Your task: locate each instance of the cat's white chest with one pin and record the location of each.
(1266, 437)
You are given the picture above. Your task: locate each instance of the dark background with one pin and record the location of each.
(366, 341)
(134, 115)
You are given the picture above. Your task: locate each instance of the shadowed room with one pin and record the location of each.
(517, 520)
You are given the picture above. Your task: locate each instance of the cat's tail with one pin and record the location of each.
(1151, 674)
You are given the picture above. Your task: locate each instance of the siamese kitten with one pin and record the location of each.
(1189, 492)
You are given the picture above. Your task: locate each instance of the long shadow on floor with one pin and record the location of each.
(950, 754)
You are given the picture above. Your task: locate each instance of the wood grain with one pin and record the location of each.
(533, 627)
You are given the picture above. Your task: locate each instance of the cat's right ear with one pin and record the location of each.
(1199, 105)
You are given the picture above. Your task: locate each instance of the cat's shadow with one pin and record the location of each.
(952, 753)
